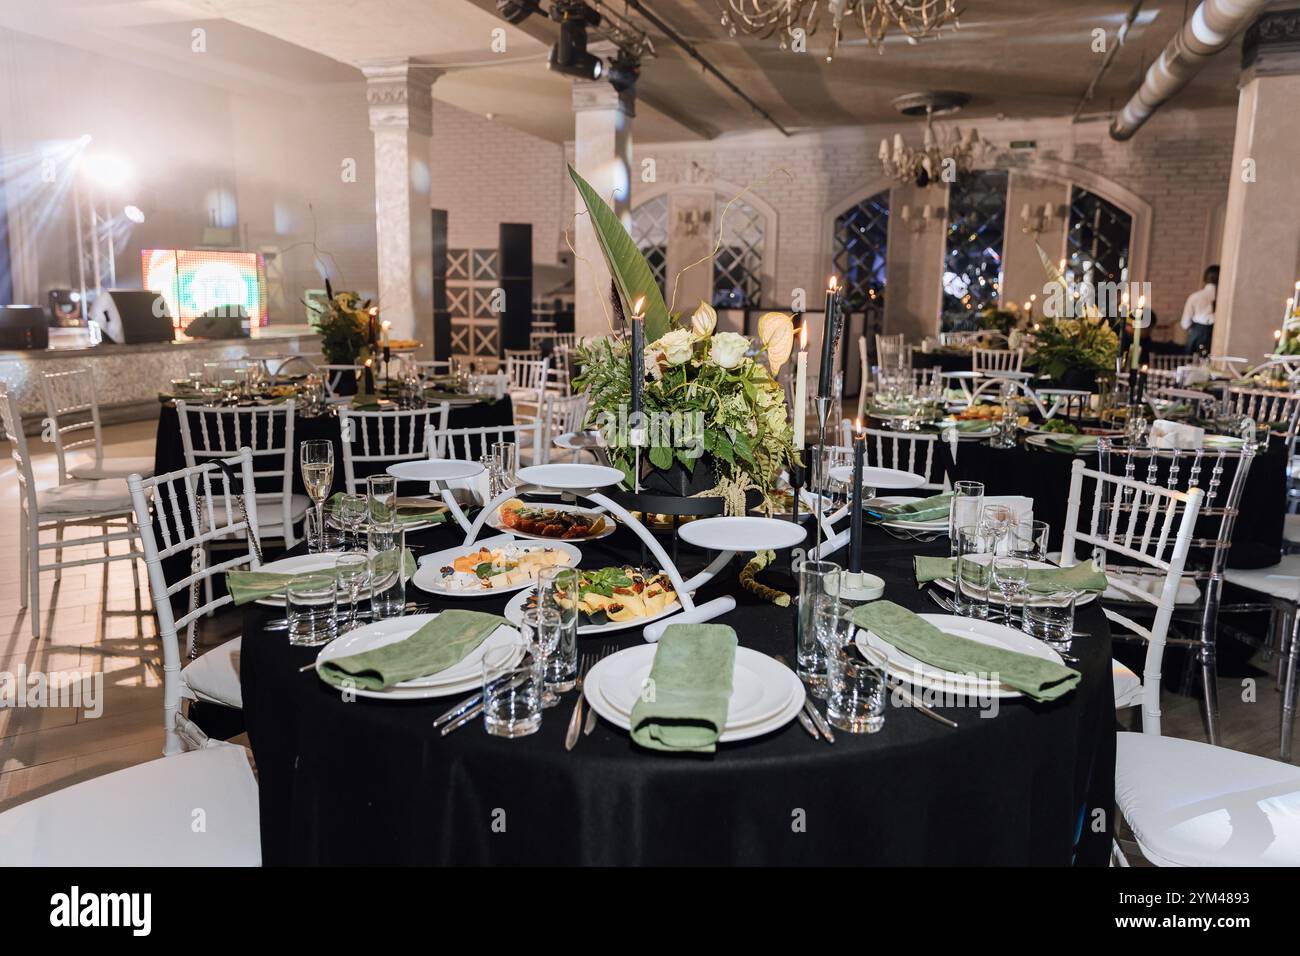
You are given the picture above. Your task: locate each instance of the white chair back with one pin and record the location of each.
(1275, 407)
(997, 360)
(73, 410)
(1171, 361)
(472, 444)
(1140, 525)
(375, 439)
(193, 508)
(289, 365)
(526, 374)
(561, 414)
(890, 351)
(214, 433)
(12, 420)
(906, 451)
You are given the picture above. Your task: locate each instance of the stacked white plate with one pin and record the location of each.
(934, 526)
(300, 564)
(908, 669)
(994, 594)
(461, 678)
(766, 695)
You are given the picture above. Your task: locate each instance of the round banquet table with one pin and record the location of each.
(1044, 475)
(372, 782)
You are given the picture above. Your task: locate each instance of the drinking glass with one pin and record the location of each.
(505, 454)
(967, 503)
(1010, 576)
(542, 628)
(316, 460)
(311, 606)
(1050, 617)
(817, 580)
(353, 572)
(381, 495)
(971, 574)
(996, 520)
(1028, 539)
(351, 511)
(322, 538)
(557, 590)
(512, 692)
(856, 690)
(387, 571)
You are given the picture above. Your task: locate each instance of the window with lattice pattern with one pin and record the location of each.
(738, 264)
(972, 276)
(1099, 237)
(650, 233)
(862, 250)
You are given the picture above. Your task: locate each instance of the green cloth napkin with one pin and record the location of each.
(444, 641)
(437, 395)
(1081, 577)
(245, 586)
(927, 509)
(433, 513)
(1034, 677)
(967, 425)
(1072, 442)
(691, 681)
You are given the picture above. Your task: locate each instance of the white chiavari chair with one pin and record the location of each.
(960, 338)
(993, 361)
(1170, 361)
(561, 415)
(333, 377)
(214, 433)
(523, 355)
(906, 451)
(101, 502)
(373, 440)
(891, 352)
(72, 408)
(195, 509)
(475, 443)
(526, 381)
(290, 365)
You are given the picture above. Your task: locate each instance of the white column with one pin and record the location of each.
(602, 153)
(1260, 260)
(399, 94)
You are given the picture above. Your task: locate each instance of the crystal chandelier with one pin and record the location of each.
(914, 19)
(952, 154)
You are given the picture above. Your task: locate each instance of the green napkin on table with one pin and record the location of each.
(436, 395)
(927, 509)
(1072, 443)
(1034, 677)
(968, 425)
(691, 675)
(434, 512)
(245, 586)
(443, 642)
(1081, 577)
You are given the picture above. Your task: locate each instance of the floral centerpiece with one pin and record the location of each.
(344, 327)
(715, 416)
(1076, 350)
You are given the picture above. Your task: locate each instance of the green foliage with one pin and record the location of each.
(1064, 344)
(344, 326)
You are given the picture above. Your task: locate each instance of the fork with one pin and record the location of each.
(575, 721)
(591, 713)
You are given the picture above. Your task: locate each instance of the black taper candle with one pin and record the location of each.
(827, 372)
(855, 519)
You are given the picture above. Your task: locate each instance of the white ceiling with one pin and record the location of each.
(1019, 58)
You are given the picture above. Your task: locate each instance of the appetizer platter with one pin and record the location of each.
(611, 599)
(551, 522)
(496, 566)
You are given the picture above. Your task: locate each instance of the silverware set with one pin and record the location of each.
(575, 720)
(282, 623)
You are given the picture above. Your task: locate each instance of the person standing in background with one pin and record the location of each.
(1198, 313)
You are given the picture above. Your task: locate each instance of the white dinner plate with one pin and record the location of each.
(995, 597)
(909, 670)
(569, 477)
(514, 613)
(298, 564)
(742, 534)
(1042, 441)
(428, 577)
(435, 469)
(893, 478)
(888, 501)
(579, 441)
(604, 532)
(970, 434)
(460, 678)
(628, 668)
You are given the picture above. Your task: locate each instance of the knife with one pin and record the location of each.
(819, 720)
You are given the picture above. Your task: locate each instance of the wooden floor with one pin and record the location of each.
(94, 621)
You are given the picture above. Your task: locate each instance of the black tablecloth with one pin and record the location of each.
(1044, 475)
(959, 361)
(373, 782)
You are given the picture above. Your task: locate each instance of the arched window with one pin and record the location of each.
(650, 233)
(738, 264)
(862, 250)
(972, 274)
(1099, 237)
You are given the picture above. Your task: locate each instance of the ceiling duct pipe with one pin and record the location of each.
(1209, 30)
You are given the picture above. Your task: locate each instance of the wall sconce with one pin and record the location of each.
(919, 221)
(1036, 220)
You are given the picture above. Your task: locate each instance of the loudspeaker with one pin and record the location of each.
(23, 327)
(223, 322)
(515, 264)
(133, 315)
(441, 314)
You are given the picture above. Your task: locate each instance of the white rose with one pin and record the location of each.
(728, 349)
(704, 321)
(676, 346)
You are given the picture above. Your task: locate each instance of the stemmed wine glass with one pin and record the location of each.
(1010, 575)
(316, 459)
(351, 512)
(996, 522)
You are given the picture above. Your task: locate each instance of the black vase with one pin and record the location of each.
(1075, 377)
(675, 479)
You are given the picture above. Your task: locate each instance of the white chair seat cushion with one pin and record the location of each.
(1191, 804)
(144, 816)
(214, 676)
(1128, 686)
(1282, 580)
(1291, 529)
(103, 496)
(113, 468)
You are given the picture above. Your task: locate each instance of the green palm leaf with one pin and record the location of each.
(632, 275)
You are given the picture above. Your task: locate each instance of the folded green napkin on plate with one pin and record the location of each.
(691, 677)
(1081, 577)
(1034, 677)
(927, 509)
(408, 511)
(1072, 442)
(968, 425)
(245, 586)
(443, 642)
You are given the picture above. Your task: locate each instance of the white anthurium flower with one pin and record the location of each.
(704, 321)
(776, 332)
(728, 349)
(676, 346)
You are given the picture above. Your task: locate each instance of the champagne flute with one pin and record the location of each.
(316, 458)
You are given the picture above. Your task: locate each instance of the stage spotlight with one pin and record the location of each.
(623, 72)
(107, 170)
(569, 55)
(516, 11)
(134, 214)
